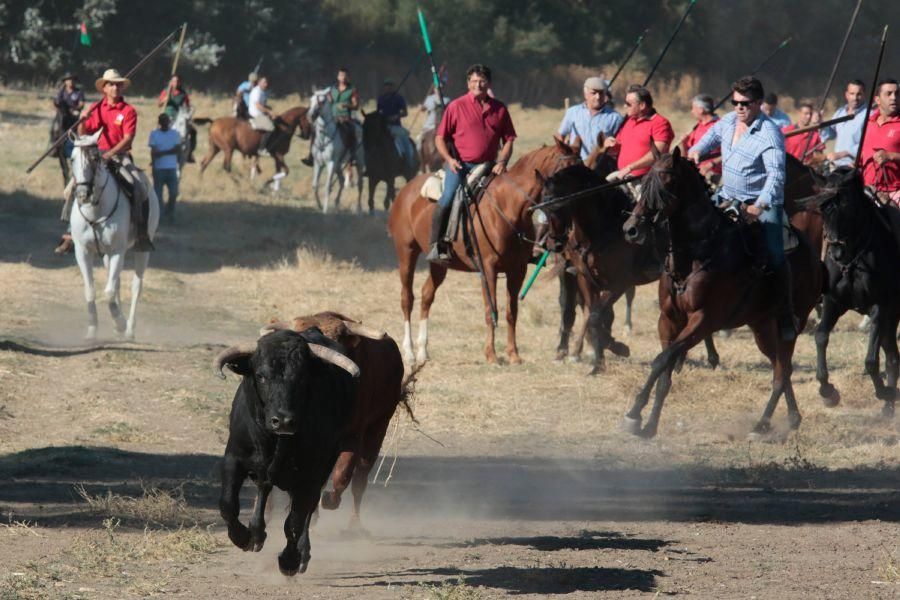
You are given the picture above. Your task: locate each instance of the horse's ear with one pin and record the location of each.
(539, 177)
(676, 154)
(563, 146)
(576, 145)
(600, 139)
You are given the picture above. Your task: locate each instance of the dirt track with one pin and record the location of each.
(529, 488)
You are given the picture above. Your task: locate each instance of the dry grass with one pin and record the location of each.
(155, 507)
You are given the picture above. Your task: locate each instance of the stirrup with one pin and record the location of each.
(438, 255)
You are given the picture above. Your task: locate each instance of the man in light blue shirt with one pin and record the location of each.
(848, 133)
(753, 172)
(770, 108)
(165, 145)
(242, 96)
(594, 116)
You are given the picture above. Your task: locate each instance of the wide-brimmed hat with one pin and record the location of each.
(111, 75)
(71, 76)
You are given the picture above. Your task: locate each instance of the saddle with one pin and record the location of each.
(478, 180)
(736, 212)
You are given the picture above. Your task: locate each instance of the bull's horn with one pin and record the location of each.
(229, 354)
(334, 357)
(364, 331)
(274, 326)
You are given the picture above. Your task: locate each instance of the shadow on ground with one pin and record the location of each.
(208, 235)
(38, 484)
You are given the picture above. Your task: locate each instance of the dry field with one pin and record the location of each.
(517, 481)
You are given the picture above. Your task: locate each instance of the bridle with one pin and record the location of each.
(93, 157)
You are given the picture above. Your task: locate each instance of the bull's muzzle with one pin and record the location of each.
(283, 423)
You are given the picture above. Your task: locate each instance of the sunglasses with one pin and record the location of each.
(744, 103)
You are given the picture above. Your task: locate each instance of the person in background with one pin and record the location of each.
(771, 110)
(242, 97)
(803, 146)
(165, 144)
(591, 118)
(702, 110)
(643, 127)
(846, 135)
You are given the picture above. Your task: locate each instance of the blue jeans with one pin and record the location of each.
(772, 221)
(168, 178)
(451, 183)
(404, 145)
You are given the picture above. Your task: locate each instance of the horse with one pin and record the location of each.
(430, 160)
(383, 161)
(588, 226)
(861, 263)
(56, 130)
(329, 152)
(504, 232)
(181, 123)
(712, 281)
(227, 134)
(101, 225)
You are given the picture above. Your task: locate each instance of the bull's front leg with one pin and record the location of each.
(233, 476)
(297, 552)
(258, 519)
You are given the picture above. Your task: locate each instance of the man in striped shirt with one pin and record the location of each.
(753, 172)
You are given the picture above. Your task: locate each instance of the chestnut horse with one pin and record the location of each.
(504, 233)
(429, 158)
(712, 281)
(228, 134)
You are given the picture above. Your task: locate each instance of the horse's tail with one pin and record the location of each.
(202, 120)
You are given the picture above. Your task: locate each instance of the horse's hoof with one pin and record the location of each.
(887, 394)
(561, 354)
(514, 359)
(257, 541)
(760, 432)
(626, 331)
(831, 397)
(91, 334)
(619, 349)
(794, 420)
(289, 566)
(421, 358)
(330, 500)
(596, 370)
(575, 359)
(647, 433)
(887, 411)
(631, 425)
(491, 359)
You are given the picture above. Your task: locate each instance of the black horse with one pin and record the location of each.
(862, 264)
(383, 161)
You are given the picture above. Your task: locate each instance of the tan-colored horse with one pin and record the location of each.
(228, 134)
(504, 231)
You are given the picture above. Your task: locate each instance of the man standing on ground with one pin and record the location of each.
(165, 144)
(753, 173)
(475, 124)
(591, 118)
(846, 135)
(643, 126)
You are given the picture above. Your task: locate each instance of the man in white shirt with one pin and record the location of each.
(165, 145)
(260, 114)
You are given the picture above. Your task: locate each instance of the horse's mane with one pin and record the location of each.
(544, 159)
(655, 191)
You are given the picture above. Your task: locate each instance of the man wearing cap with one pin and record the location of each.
(591, 118)
(642, 128)
(242, 96)
(475, 124)
(393, 107)
(174, 98)
(702, 110)
(118, 120)
(846, 135)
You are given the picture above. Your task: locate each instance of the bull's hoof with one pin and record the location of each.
(794, 420)
(713, 361)
(290, 565)
(620, 349)
(831, 397)
(330, 500)
(121, 325)
(648, 432)
(631, 425)
(887, 411)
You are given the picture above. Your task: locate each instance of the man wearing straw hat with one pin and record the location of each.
(118, 120)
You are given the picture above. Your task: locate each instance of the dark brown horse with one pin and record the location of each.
(504, 232)
(712, 281)
(383, 161)
(228, 134)
(429, 158)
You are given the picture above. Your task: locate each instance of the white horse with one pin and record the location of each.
(101, 226)
(180, 124)
(329, 152)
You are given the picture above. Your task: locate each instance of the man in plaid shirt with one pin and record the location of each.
(753, 172)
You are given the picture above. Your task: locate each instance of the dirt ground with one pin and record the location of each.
(516, 482)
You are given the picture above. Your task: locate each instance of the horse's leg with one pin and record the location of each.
(769, 343)
(137, 285)
(712, 355)
(372, 185)
(582, 333)
(329, 180)
(629, 300)
(891, 361)
(114, 278)
(436, 275)
(831, 312)
(317, 170)
(359, 187)
(514, 281)
(210, 154)
(389, 196)
(873, 352)
(567, 294)
(490, 276)
(86, 266)
(407, 256)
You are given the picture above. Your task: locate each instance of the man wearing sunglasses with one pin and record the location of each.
(753, 172)
(642, 128)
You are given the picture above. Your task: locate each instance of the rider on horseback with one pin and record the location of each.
(345, 100)
(118, 120)
(753, 173)
(261, 115)
(393, 106)
(475, 124)
(69, 101)
(242, 97)
(881, 151)
(174, 98)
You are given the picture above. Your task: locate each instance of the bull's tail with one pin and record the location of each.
(408, 389)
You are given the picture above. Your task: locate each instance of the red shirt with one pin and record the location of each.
(117, 121)
(885, 178)
(476, 128)
(795, 145)
(637, 134)
(694, 138)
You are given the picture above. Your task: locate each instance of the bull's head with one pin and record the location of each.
(280, 367)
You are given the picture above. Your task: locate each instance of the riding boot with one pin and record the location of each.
(308, 161)
(264, 144)
(438, 253)
(787, 322)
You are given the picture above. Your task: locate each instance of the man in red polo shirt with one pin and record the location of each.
(881, 151)
(643, 126)
(475, 123)
(811, 142)
(702, 110)
(118, 119)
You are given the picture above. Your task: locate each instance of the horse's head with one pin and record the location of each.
(558, 197)
(671, 181)
(86, 162)
(319, 104)
(844, 210)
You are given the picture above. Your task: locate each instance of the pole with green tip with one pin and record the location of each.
(534, 274)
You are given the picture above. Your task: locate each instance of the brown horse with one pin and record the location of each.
(504, 232)
(228, 134)
(429, 158)
(712, 281)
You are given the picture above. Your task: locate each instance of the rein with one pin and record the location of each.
(581, 194)
(95, 223)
